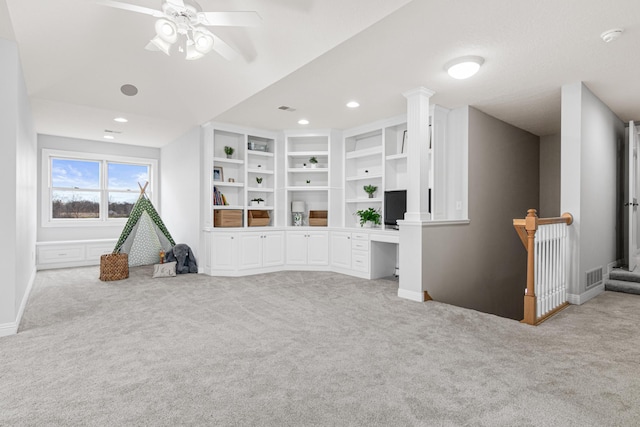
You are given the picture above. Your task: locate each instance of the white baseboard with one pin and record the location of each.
(11, 328)
(411, 295)
(586, 296)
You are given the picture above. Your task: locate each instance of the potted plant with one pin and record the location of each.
(313, 161)
(228, 151)
(259, 181)
(257, 202)
(370, 189)
(369, 217)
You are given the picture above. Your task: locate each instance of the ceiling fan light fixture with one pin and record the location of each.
(192, 52)
(160, 44)
(166, 30)
(203, 42)
(464, 67)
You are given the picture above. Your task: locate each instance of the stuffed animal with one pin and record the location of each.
(186, 262)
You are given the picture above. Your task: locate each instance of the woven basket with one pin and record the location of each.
(114, 267)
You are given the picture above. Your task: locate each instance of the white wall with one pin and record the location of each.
(19, 210)
(591, 133)
(549, 176)
(180, 184)
(48, 234)
(483, 265)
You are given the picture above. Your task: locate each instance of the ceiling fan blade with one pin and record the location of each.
(231, 19)
(131, 7)
(223, 49)
(179, 3)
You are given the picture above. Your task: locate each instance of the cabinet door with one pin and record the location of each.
(250, 254)
(272, 249)
(318, 248)
(296, 247)
(341, 249)
(224, 251)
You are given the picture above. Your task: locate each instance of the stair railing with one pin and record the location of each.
(546, 241)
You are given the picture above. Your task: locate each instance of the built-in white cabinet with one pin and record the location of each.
(260, 249)
(341, 249)
(307, 248)
(224, 251)
(72, 253)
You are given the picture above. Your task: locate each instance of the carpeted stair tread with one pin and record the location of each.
(624, 275)
(622, 286)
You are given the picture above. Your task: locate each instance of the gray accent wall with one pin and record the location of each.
(549, 176)
(482, 265)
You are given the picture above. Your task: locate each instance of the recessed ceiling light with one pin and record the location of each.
(120, 120)
(303, 122)
(464, 67)
(353, 104)
(611, 35)
(109, 137)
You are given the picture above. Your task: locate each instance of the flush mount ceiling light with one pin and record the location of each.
(120, 120)
(303, 122)
(182, 21)
(109, 137)
(611, 35)
(353, 104)
(464, 67)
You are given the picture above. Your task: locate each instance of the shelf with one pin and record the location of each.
(260, 153)
(374, 151)
(307, 188)
(263, 171)
(397, 156)
(363, 200)
(395, 189)
(225, 160)
(308, 154)
(260, 208)
(260, 190)
(307, 170)
(226, 207)
(228, 184)
(363, 177)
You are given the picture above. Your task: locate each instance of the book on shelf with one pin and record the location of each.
(218, 198)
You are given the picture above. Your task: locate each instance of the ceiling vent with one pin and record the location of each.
(112, 131)
(286, 108)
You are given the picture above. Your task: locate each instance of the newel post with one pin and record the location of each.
(531, 225)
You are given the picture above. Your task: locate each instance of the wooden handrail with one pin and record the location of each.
(526, 229)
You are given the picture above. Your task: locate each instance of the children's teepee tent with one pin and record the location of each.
(144, 235)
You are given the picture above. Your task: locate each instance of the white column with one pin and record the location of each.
(412, 273)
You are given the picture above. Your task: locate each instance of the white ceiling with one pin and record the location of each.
(315, 55)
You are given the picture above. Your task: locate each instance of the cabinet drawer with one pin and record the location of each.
(359, 236)
(360, 245)
(360, 261)
(60, 254)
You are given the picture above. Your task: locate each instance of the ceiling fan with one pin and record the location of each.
(185, 19)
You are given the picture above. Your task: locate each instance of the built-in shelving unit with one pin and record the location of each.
(373, 155)
(236, 176)
(305, 181)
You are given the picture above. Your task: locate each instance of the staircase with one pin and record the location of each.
(624, 281)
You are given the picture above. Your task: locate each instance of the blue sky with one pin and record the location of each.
(85, 174)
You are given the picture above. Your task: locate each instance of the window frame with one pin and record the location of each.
(103, 159)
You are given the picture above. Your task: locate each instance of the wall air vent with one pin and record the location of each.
(112, 131)
(286, 108)
(594, 277)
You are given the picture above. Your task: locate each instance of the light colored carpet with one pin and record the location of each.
(298, 349)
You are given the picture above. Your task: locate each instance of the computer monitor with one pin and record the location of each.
(395, 205)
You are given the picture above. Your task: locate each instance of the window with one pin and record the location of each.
(79, 189)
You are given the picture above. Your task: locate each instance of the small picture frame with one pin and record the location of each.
(217, 173)
(404, 141)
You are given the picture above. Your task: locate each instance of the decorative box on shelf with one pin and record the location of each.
(318, 218)
(258, 218)
(227, 218)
